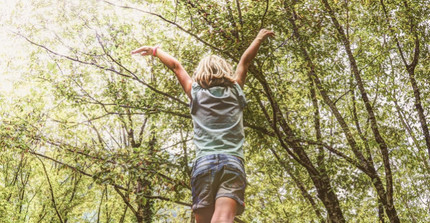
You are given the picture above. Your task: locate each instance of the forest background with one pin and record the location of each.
(336, 123)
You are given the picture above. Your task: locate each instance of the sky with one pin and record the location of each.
(11, 48)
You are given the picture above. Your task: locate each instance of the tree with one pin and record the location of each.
(336, 122)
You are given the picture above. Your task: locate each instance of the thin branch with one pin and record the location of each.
(126, 200)
(110, 183)
(179, 27)
(340, 97)
(51, 192)
(240, 14)
(264, 15)
(133, 76)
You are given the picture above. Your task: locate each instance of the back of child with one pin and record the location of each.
(217, 112)
(218, 177)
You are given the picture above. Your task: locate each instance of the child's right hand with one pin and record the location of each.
(144, 50)
(264, 33)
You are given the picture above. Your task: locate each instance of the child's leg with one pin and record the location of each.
(204, 215)
(225, 210)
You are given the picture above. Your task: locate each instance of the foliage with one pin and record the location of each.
(338, 105)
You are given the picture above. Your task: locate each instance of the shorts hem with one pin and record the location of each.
(194, 208)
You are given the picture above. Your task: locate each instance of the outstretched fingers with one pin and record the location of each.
(264, 33)
(144, 50)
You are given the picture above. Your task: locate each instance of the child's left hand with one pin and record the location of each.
(144, 50)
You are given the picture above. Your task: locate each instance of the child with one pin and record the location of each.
(218, 178)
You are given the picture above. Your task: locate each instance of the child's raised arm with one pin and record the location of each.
(249, 55)
(171, 62)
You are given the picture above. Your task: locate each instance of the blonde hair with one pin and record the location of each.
(214, 71)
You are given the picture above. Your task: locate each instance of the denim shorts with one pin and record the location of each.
(215, 176)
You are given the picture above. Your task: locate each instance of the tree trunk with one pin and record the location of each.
(320, 179)
(144, 205)
(389, 206)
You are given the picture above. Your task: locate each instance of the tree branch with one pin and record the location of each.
(52, 192)
(179, 27)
